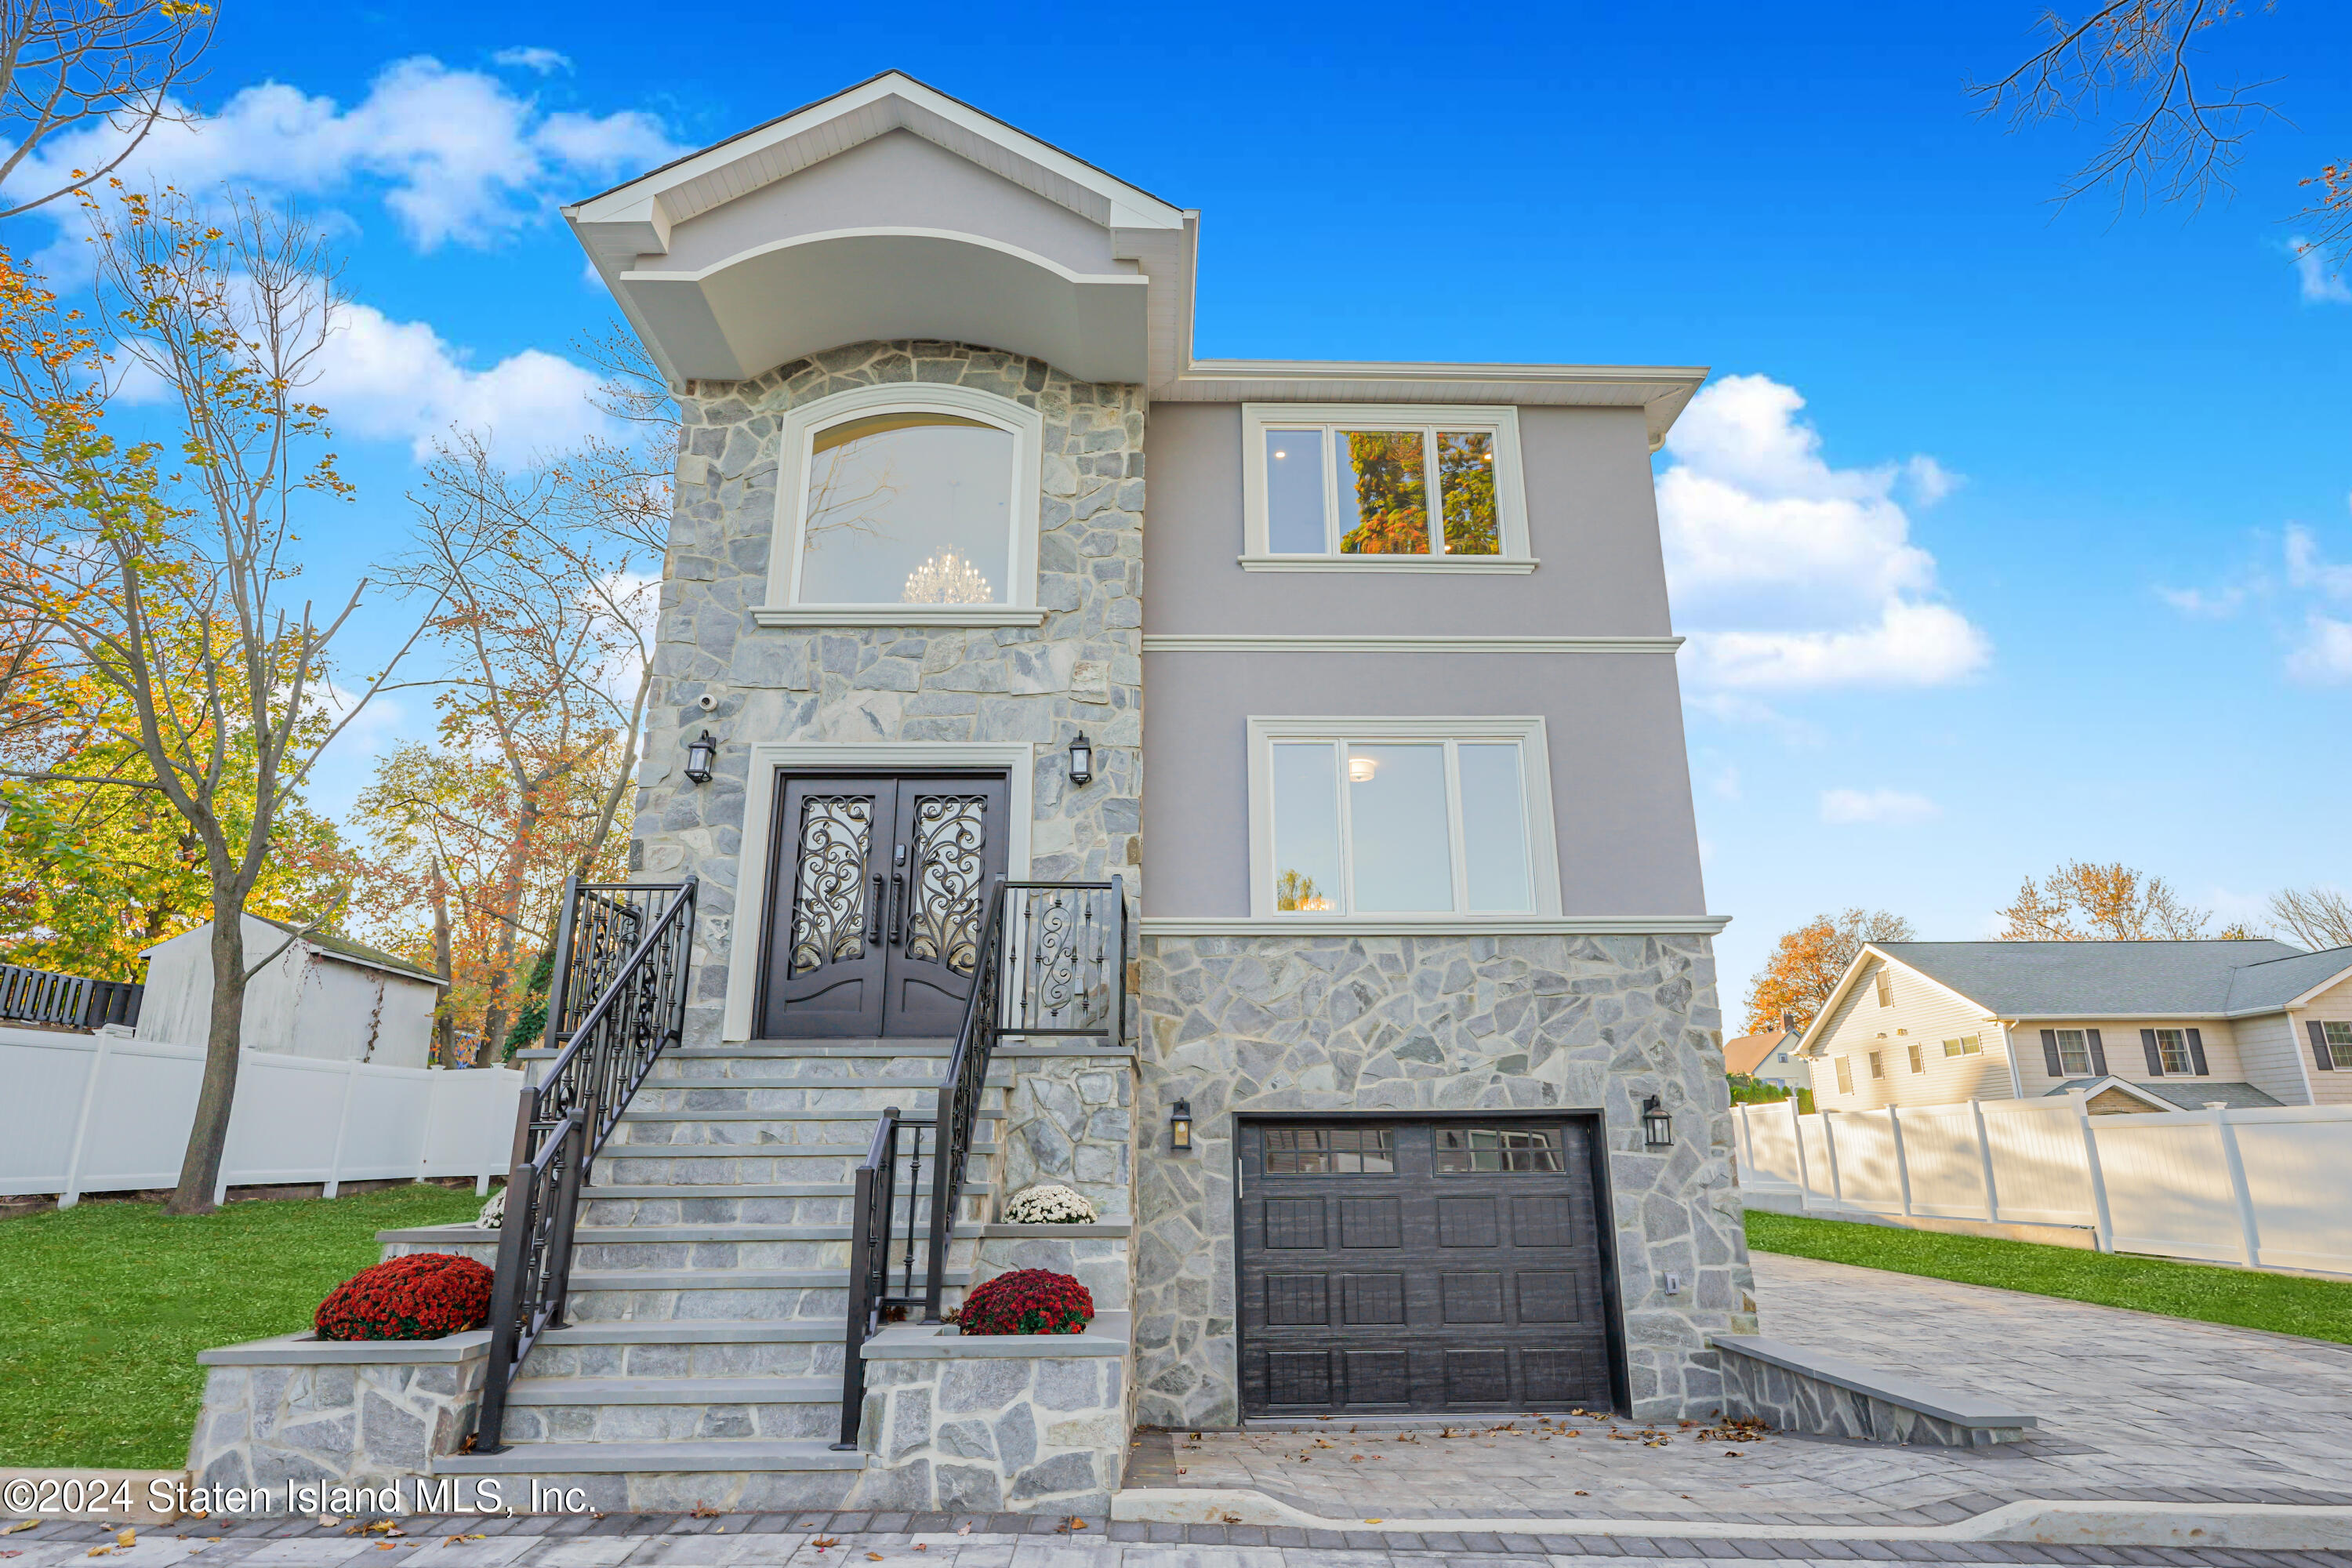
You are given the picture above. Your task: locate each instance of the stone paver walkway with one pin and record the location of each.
(2132, 1407)
(856, 1540)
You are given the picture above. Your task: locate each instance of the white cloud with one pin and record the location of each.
(2319, 286)
(2305, 569)
(1884, 808)
(458, 155)
(1726, 784)
(2324, 657)
(1787, 573)
(2206, 604)
(402, 380)
(531, 57)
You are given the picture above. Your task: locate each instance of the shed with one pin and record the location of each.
(323, 997)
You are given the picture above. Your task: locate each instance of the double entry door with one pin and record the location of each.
(879, 883)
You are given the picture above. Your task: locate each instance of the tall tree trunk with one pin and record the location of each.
(495, 1015)
(445, 1018)
(200, 1169)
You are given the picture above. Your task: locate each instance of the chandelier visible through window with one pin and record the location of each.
(947, 578)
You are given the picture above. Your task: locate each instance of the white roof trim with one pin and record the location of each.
(1854, 970)
(977, 241)
(891, 101)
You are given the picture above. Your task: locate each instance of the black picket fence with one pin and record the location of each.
(65, 1001)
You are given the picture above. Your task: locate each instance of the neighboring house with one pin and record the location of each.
(1768, 1057)
(2137, 1025)
(320, 995)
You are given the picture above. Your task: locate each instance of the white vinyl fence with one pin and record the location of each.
(2268, 1189)
(94, 1113)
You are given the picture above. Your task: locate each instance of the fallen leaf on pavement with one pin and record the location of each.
(822, 1541)
(873, 1557)
(126, 1538)
(20, 1524)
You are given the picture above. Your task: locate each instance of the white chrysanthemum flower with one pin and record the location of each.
(1049, 1203)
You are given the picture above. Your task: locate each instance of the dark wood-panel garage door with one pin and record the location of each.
(1417, 1266)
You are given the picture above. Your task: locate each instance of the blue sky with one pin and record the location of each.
(2006, 535)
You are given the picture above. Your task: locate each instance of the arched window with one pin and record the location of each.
(909, 504)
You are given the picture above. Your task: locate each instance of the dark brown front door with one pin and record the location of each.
(1416, 1266)
(878, 886)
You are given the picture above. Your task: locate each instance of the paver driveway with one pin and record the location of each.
(2131, 1405)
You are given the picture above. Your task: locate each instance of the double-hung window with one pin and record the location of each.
(1844, 1066)
(2339, 1043)
(2073, 1053)
(1382, 485)
(1966, 1046)
(1411, 819)
(2172, 1051)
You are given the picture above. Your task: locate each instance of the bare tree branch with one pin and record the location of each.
(67, 63)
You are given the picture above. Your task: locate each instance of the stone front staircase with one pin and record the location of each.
(702, 1362)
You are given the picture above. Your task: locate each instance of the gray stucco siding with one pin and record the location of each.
(1592, 524)
(1621, 778)
(896, 181)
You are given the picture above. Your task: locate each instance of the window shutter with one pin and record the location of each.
(2098, 1052)
(2050, 1054)
(2321, 1058)
(2155, 1056)
(2197, 1052)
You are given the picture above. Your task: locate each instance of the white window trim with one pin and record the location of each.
(1510, 482)
(794, 443)
(2187, 1068)
(1535, 783)
(768, 758)
(2059, 1036)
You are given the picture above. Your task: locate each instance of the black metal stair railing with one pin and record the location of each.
(609, 1043)
(897, 1146)
(1051, 964)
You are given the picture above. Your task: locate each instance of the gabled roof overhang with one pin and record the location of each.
(769, 303)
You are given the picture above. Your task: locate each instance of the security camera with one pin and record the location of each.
(706, 702)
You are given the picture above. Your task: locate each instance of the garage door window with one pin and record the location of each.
(1330, 1151)
(1473, 1151)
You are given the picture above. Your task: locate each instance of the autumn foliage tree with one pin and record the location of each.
(152, 563)
(2087, 901)
(1807, 962)
(2139, 72)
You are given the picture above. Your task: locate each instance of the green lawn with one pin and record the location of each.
(2317, 1309)
(103, 1307)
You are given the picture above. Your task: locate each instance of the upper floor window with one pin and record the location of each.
(909, 502)
(2172, 1051)
(2338, 1038)
(1422, 817)
(2074, 1052)
(1382, 486)
(1885, 983)
(1966, 1046)
(1844, 1066)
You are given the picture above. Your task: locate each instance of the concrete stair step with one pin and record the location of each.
(675, 1391)
(752, 1190)
(714, 1456)
(694, 1332)
(585, 1281)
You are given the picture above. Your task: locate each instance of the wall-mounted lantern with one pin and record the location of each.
(1082, 760)
(700, 752)
(1657, 1127)
(1179, 1127)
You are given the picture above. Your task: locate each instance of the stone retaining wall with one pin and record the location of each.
(1838, 1399)
(1026, 1423)
(300, 1409)
(1070, 1119)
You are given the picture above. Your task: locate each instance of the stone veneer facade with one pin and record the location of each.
(1082, 669)
(1439, 1023)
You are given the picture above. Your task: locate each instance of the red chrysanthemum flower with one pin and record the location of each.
(1027, 1301)
(421, 1295)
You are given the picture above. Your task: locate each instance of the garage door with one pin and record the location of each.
(1418, 1266)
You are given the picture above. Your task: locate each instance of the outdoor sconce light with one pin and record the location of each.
(700, 753)
(1179, 1127)
(1657, 1127)
(1082, 760)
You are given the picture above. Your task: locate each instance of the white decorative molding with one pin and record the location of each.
(1444, 925)
(781, 617)
(1497, 565)
(745, 941)
(1317, 642)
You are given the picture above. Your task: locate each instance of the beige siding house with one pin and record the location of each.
(2134, 1025)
